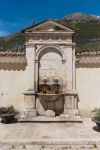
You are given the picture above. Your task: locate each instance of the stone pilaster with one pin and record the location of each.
(68, 67)
(36, 75)
(30, 104)
(30, 70)
(73, 67)
(29, 93)
(70, 106)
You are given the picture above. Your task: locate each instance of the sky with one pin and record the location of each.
(18, 14)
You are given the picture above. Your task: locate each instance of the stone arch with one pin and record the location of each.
(49, 48)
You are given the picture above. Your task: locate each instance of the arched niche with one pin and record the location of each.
(52, 48)
(50, 66)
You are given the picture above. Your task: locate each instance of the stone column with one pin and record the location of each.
(73, 67)
(36, 75)
(30, 70)
(70, 107)
(70, 103)
(68, 67)
(29, 93)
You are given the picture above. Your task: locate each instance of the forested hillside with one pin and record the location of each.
(88, 38)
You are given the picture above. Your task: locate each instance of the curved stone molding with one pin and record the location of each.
(56, 47)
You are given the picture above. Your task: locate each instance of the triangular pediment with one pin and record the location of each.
(48, 26)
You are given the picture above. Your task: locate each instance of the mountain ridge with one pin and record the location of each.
(88, 39)
(82, 16)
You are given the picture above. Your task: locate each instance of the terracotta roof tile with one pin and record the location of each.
(88, 53)
(11, 53)
(19, 53)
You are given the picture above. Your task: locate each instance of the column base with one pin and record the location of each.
(28, 113)
(73, 112)
(71, 115)
(29, 100)
(30, 104)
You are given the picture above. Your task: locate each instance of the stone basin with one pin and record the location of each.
(49, 97)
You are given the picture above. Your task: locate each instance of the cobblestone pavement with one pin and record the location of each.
(46, 136)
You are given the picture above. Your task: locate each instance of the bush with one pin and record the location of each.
(96, 112)
(8, 114)
(8, 110)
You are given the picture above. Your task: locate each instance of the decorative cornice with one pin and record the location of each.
(70, 44)
(46, 32)
(29, 44)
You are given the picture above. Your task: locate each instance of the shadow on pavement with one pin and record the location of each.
(95, 128)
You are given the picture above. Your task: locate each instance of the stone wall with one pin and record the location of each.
(88, 87)
(12, 85)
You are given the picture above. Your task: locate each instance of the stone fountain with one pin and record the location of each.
(51, 97)
(50, 72)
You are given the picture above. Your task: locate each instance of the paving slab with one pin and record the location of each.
(84, 134)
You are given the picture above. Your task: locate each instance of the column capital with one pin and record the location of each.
(29, 92)
(63, 61)
(70, 45)
(28, 45)
(37, 61)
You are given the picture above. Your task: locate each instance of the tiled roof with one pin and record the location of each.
(11, 53)
(19, 53)
(88, 53)
(12, 57)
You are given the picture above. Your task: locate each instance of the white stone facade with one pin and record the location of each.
(50, 54)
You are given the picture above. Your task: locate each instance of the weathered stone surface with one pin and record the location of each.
(40, 109)
(49, 113)
(52, 147)
(29, 99)
(28, 113)
(44, 136)
(41, 112)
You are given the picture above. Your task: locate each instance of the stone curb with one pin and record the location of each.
(50, 142)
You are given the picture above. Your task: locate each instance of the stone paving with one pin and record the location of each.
(46, 136)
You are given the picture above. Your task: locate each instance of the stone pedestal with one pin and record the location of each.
(30, 104)
(70, 104)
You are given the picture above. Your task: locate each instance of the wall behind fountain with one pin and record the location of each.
(88, 87)
(12, 84)
(51, 67)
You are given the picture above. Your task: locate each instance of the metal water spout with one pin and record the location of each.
(56, 80)
(44, 79)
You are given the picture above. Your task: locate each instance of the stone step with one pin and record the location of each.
(62, 118)
(50, 144)
(51, 147)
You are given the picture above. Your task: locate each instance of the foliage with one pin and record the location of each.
(96, 111)
(14, 42)
(88, 38)
(8, 110)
